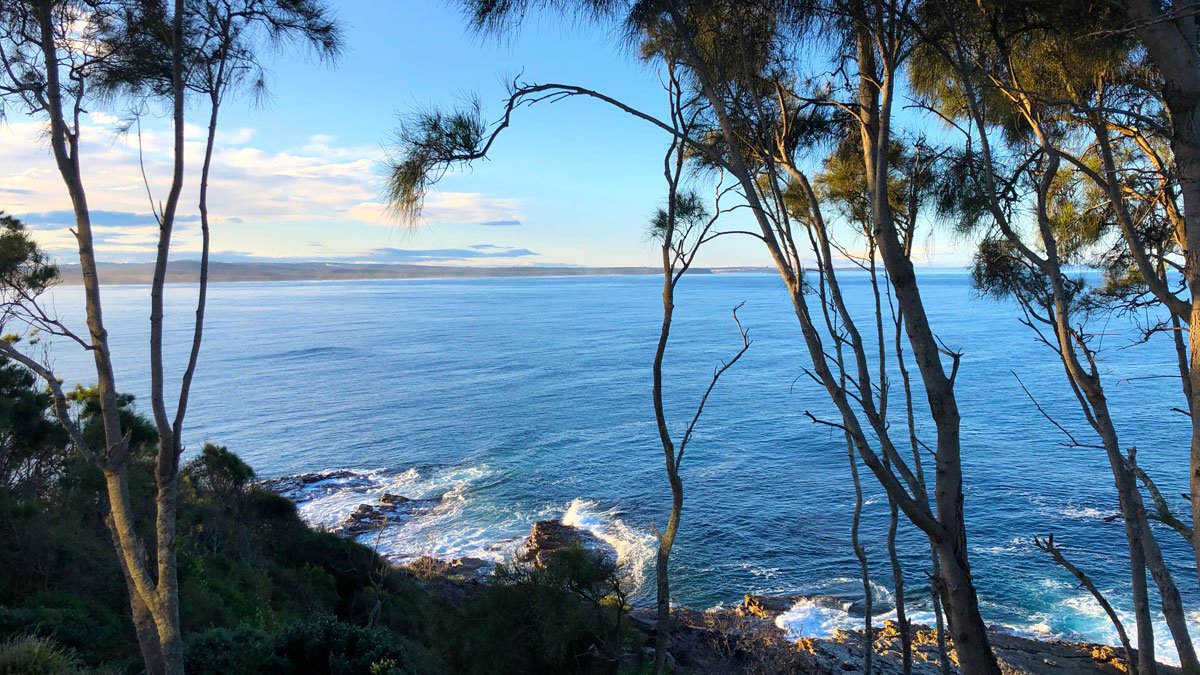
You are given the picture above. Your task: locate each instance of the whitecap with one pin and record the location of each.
(634, 549)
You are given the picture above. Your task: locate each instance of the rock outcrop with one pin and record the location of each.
(389, 508)
(734, 640)
(548, 538)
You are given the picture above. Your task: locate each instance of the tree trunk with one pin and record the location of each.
(1169, 35)
(898, 585)
(143, 621)
(967, 631)
(662, 634)
(864, 568)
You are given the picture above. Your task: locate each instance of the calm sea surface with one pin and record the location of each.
(522, 399)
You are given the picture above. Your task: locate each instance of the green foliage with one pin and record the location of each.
(87, 629)
(25, 270)
(35, 656)
(689, 213)
(1000, 271)
(32, 445)
(538, 619)
(224, 44)
(429, 144)
(253, 576)
(219, 475)
(319, 646)
(221, 651)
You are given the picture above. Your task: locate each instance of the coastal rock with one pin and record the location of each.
(389, 508)
(468, 568)
(746, 639)
(548, 538)
(771, 606)
(290, 485)
(765, 606)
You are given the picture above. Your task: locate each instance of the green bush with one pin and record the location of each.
(219, 475)
(325, 646)
(89, 631)
(319, 646)
(224, 651)
(29, 655)
(546, 619)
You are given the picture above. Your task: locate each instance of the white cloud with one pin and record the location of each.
(254, 191)
(469, 208)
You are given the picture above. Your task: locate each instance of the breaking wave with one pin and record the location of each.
(634, 549)
(446, 517)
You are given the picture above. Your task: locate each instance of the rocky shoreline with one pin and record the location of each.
(746, 638)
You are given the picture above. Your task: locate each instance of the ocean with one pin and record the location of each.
(515, 400)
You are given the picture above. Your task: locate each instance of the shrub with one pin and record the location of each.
(325, 646)
(319, 646)
(219, 475)
(30, 655)
(542, 619)
(223, 651)
(90, 631)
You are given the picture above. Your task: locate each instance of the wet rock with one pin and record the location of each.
(428, 567)
(471, 565)
(771, 606)
(765, 606)
(287, 485)
(389, 508)
(548, 538)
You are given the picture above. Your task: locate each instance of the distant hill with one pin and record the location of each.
(188, 270)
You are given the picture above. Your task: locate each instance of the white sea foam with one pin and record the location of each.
(809, 618)
(634, 549)
(1082, 512)
(812, 618)
(453, 523)
(447, 525)
(1077, 618)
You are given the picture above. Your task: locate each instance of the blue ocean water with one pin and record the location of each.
(521, 399)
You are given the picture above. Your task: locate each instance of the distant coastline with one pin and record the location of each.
(189, 270)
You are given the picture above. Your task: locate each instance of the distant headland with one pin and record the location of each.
(188, 270)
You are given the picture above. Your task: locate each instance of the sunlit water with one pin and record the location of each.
(521, 399)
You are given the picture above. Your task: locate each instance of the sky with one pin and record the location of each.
(299, 175)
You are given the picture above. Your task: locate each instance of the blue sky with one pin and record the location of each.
(298, 177)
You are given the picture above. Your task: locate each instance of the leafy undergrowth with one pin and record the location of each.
(261, 592)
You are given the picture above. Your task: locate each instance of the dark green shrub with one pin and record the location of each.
(218, 475)
(93, 631)
(325, 646)
(225, 651)
(264, 505)
(35, 656)
(554, 619)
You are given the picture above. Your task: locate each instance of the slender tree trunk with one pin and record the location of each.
(143, 620)
(169, 444)
(898, 585)
(666, 539)
(1170, 37)
(130, 555)
(864, 568)
(961, 602)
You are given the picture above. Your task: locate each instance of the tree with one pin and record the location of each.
(1022, 92)
(57, 56)
(682, 226)
(740, 60)
(1170, 33)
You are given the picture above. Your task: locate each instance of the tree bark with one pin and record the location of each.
(967, 629)
(1169, 35)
